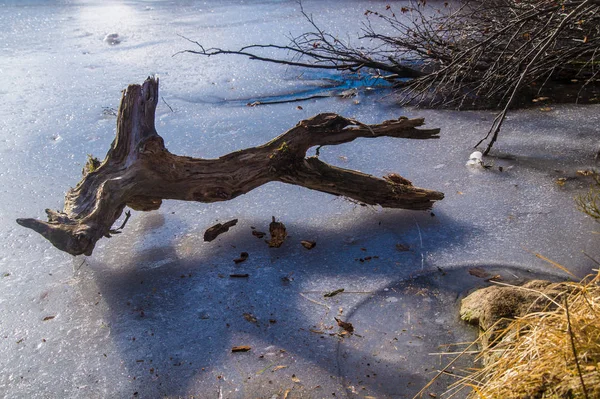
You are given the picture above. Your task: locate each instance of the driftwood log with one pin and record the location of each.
(139, 172)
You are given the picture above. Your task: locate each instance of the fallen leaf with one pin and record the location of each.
(278, 234)
(299, 107)
(278, 368)
(561, 181)
(286, 393)
(333, 293)
(478, 272)
(258, 234)
(243, 257)
(250, 317)
(48, 318)
(241, 348)
(586, 172)
(294, 378)
(495, 277)
(308, 244)
(402, 247)
(346, 326)
(213, 232)
(546, 109)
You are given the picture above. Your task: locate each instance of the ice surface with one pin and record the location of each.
(154, 312)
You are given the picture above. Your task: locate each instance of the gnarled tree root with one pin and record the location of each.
(139, 172)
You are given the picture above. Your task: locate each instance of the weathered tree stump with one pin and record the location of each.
(139, 172)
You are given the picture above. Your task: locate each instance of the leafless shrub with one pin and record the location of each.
(460, 54)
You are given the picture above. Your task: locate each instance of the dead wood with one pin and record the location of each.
(139, 172)
(213, 232)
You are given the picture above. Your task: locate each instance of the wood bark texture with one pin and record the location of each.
(139, 172)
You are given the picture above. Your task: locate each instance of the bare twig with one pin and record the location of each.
(167, 104)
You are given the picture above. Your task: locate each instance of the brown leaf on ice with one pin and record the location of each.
(308, 244)
(346, 326)
(213, 232)
(243, 257)
(258, 234)
(250, 317)
(241, 348)
(478, 272)
(48, 318)
(586, 172)
(402, 247)
(294, 378)
(278, 234)
(279, 368)
(495, 277)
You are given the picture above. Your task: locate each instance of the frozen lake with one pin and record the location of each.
(154, 311)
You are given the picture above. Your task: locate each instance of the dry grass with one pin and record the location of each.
(590, 203)
(550, 354)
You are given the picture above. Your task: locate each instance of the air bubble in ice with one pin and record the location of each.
(112, 39)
